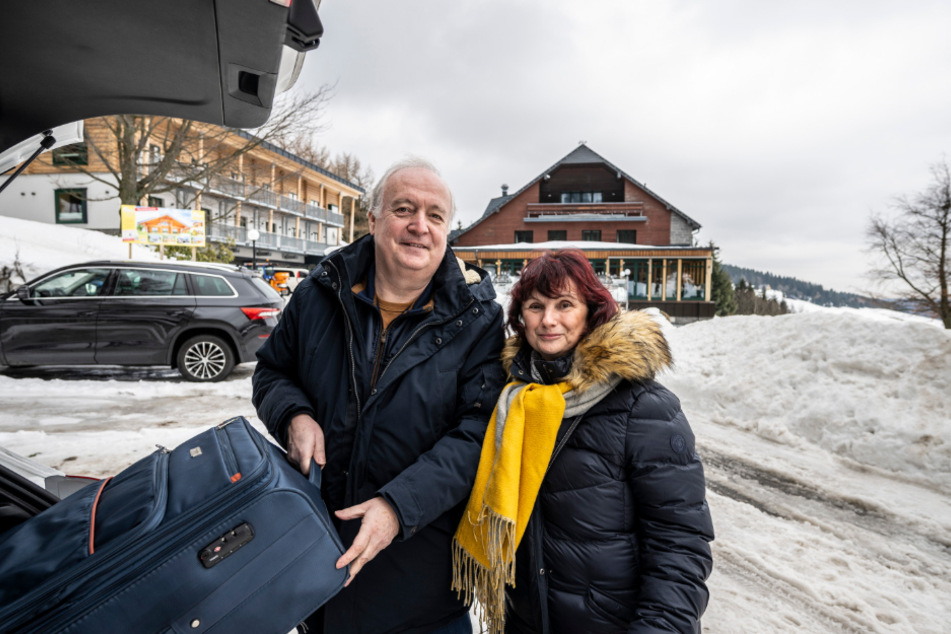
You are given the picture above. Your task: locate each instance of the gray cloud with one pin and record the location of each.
(779, 128)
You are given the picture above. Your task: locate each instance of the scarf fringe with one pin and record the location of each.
(471, 578)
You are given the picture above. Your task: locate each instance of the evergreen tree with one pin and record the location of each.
(721, 287)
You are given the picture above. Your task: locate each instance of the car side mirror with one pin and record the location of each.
(23, 293)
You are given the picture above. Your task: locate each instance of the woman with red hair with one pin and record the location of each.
(588, 512)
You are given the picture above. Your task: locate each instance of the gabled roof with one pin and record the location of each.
(581, 155)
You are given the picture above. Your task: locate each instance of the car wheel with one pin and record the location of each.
(205, 358)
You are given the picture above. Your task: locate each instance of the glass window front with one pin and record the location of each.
(559, 234)
(75, 283)
(637, 283)
(75, 154)
(524, 236)
(627, 236)
(657, 279)
(70, 206)
(581, 197)
(591, 235)
(693, 279)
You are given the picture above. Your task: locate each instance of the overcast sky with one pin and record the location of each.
(780, 126)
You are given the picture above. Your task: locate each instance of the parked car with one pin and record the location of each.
(199, 318)
(294, 277)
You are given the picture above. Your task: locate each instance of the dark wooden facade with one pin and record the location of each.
(625, 229)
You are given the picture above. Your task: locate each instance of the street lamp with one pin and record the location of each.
(253, 235)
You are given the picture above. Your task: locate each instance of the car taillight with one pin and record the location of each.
(260, 313)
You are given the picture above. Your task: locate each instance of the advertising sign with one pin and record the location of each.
(158, 225)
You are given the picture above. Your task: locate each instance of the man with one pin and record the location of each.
(384, 370)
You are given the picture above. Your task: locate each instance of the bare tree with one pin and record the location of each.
(347, 166)
(148, 155)
(914, 246)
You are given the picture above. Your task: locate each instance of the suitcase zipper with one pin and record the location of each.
(57, 621)
(228, 452)
(116, 550)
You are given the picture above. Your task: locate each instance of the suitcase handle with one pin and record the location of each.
(314, 476)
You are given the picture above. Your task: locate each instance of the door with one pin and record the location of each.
(142, 315)
(57, 323)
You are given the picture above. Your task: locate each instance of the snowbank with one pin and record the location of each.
(858, 383)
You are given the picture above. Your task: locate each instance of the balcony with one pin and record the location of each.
(264, 197)
(227, 186)
(222, 232)
(587, 212)
(332, 218)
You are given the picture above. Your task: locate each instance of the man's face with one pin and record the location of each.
(410, 232)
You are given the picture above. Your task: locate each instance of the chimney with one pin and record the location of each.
(505, 189)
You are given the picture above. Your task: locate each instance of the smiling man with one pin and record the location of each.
(384, 370)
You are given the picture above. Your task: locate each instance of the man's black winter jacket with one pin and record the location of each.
(415, 438)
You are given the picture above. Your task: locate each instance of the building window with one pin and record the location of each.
(75, 154)
(524, 236)
(155, 201)
(591, 235)
(581, 197)
(627, 236)
(693, 279)
(70, 206)
(557, 234)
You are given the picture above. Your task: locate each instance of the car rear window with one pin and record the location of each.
(212, 286)
(266, 288)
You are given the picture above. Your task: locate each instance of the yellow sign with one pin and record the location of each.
(158, 225)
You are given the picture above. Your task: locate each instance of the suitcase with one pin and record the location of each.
(220, 535)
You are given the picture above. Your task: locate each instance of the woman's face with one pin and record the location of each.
(554, 325)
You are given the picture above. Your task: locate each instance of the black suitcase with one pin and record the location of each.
(219, 535)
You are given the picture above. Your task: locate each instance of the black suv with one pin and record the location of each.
(199, 318)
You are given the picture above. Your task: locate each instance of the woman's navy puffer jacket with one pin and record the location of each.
(619, 537)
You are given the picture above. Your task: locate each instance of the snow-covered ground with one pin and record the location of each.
(826, 438)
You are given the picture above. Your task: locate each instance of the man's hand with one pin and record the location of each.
(305, 440)
(378, 528)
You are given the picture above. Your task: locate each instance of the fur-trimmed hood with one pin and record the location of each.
(631, 345)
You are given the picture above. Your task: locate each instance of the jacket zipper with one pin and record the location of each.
(348, 493)
(419, 330)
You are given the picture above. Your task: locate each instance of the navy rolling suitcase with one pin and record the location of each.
(219, 535)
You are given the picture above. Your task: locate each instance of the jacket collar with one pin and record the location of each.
(450, 292)
(631, 346)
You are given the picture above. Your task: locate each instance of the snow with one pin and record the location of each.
(41, 247)
(824, 435)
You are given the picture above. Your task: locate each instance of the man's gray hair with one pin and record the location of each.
(376, 195)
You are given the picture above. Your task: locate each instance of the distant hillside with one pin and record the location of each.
(797, 289)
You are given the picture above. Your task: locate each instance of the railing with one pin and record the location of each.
(264, 196)
(632, 209)
(291, 204)
(228, 186)
(314, 212)
(222, 232)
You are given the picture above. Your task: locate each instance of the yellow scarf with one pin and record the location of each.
(515, 455)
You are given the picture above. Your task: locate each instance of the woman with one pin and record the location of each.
(588, 469)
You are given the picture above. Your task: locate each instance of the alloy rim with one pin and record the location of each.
(205, 360)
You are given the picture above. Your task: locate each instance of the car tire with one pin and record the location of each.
(205, 358)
